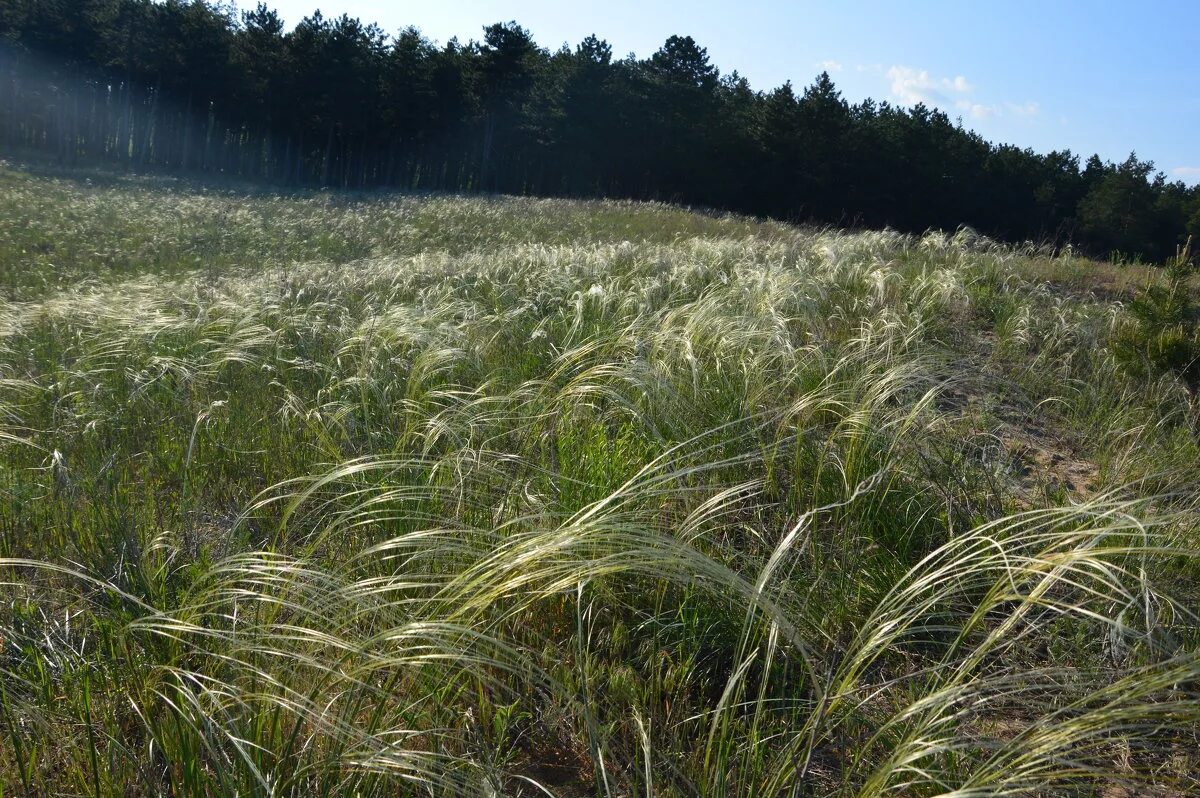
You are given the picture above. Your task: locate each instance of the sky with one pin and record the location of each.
(1093, 76)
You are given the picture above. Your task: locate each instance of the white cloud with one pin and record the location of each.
(910, 86)
(977, 110)
(831, 66)
(1024, 109)
(959, 84)
(1187, 172)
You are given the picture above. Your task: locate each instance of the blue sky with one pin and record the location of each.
(1105, 76)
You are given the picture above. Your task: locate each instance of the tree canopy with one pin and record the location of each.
(192, 85)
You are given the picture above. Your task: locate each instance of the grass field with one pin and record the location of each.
(384, 495)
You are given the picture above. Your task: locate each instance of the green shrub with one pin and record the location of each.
(1162, 335)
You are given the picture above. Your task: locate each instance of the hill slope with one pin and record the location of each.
(329, 494)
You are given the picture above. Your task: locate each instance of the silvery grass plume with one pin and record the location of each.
(452, 496)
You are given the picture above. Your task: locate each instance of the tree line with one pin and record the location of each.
(192, 85)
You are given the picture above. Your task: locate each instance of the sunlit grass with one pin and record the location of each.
(441, 496)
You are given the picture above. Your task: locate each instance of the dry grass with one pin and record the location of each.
(449, 496)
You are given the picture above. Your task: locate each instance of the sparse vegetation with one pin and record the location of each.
(373, 495)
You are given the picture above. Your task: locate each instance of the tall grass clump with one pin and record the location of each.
(514, 497)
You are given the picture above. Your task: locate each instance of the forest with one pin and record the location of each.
(197, 87)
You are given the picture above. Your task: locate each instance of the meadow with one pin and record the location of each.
(374, 494)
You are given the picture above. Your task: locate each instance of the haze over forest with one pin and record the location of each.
(336, 101)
